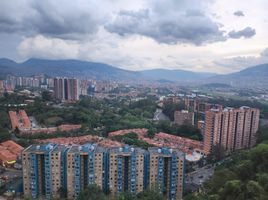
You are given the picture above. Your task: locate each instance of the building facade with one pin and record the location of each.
(233, 129)
(66, 89)
(183, 117)
(166, 172)
(50, 169)
(128, 170)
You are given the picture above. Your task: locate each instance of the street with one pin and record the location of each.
(10, 174)
(194, 179)
(158, 115)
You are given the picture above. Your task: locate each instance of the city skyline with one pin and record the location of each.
(215, 36)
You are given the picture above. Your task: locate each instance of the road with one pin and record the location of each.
(158, 115)
(12, 173)
(194, 179)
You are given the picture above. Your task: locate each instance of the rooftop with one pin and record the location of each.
(9, 151)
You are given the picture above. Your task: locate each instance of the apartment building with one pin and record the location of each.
(183, 117)
(166, 169)
(128, 170)
(37, 176)
(66, 89)
(233, 129)
(50, 168)
(86, 165)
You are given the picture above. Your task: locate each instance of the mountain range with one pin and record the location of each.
(252, 76)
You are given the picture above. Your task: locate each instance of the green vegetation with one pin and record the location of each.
(4, 125)
(96, 116)
(243, 176)
(263, 134)
(188, 131)
(104, 115)
(169, 108)
(93, 192)
(12, 99)
(46, 95)
(4, 135)
(132, 139)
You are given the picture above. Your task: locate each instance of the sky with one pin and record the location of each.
(219, 36)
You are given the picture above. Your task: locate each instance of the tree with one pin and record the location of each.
(243, 176)
(252, 191)
(46, 96)
(126, 196)
(151, 133)
(92, 192)
(150, 195)
(231, 190)
(217, 153)
(4, 135)
(263, 180)
(244, 170)
(4, 120)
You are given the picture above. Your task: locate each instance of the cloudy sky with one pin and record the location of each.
(219, 36)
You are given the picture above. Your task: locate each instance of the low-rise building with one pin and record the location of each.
(10, 151)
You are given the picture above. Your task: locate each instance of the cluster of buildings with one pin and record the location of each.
(197, 105)
(10, 151)
(228, 128)
(69, 89)
(66, 89)
(101, 141)
(186, 145)
(105, 86)
(232, 129)
(21, 81)
(50, 168)
(21, 121)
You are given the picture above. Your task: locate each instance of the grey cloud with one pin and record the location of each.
(170, 22)
(184, 26)
(264, 54)
(48, 18)
(239, 13)
(247, 32)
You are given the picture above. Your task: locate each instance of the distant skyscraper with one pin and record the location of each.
(66, 89)
(49, 169)
(233, 129)
(1, 86)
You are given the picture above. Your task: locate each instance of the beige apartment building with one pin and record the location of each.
(233, 129)
(166, 172)
(50, 170)
(126, 171)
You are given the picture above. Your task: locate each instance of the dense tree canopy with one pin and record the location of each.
(93, 192)
(244, 176)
